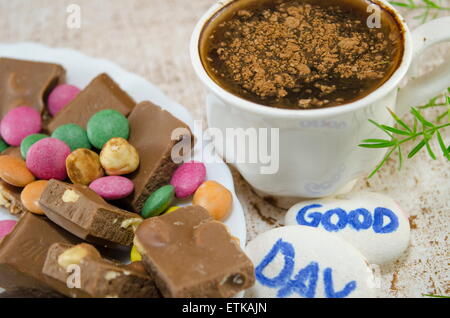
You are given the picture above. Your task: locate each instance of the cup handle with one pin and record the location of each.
(421, 89)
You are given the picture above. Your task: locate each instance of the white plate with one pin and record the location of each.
(81, 69)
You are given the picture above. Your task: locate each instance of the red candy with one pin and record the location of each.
(6, 227)
(46, 159)
(112, 187)
(18, 123)
(60, 97)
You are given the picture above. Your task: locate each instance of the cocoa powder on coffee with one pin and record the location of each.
(301, 55)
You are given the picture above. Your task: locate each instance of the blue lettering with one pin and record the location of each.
(287, 250)
(315, 217)
(379, 220)
(341, 223)
(308, 274)
(358, 219)
(356, 223)
(329, 288)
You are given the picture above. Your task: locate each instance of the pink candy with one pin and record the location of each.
(46, 159)
(18, 123)
(6, 227)
(60, 97)
(187, 178)
(112, 187)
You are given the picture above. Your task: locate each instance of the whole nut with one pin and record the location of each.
(76, 254)
(83, 166)
(118, 157)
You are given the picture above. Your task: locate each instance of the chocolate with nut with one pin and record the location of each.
(23, 252)
(27, 83)
(151, 131)
(85, 214)
(191, 255)
(98, 277)
(101, 93)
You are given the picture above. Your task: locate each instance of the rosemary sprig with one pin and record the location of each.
(429, 9)
(403, 133)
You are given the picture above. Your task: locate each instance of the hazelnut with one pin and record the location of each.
(83, 166)
(70, 196)
(118, 157)
(76, 254)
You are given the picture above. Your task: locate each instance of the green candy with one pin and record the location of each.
(73, 135)
(29, 141)
(158, 202)
(3, 145)
(107, 124)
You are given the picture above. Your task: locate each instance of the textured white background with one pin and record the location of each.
(151, 37)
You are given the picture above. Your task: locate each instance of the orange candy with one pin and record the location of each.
(215, 198)
(31, 194)
(14, 171)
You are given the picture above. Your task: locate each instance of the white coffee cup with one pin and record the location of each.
(319, 153)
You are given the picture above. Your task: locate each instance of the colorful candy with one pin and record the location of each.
(187, 178)
(60, 97)
(215, 198)
(46, 159)
(118, 157)
(18, 123)
(29, 141)
(3, 145)
(83, 166)
(73, 135)
(158, 202)
(14, 171)
(112, 187)
(171, 209)
(107, 124)
(6, 227)
(31, 194)
(134, 255)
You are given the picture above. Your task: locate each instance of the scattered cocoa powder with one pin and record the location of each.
(300, 55)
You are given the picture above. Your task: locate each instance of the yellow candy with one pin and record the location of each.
(215, 198)
(171, 209)
(135, 256)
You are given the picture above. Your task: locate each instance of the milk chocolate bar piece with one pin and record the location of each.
(27, 83)
(101, 93)
(29, 293)
(10, 195)
(191, 255)
(23, 252)
(85, 214)
(98, 277)
(151, 134)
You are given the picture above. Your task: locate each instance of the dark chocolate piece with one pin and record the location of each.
(23, 252)
(27, 83)
(85, 214)
(191, 255)
(10, 195)
(101, 93)
(98, 277)
(29, 293)
(151, 134)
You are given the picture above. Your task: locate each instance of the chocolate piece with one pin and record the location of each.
(23, 252)
(85, 214)
(98, 277)
(191, 255)
(151, 134)
(27, 83)
(29, 293)
(101, 93)
(10, 195)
